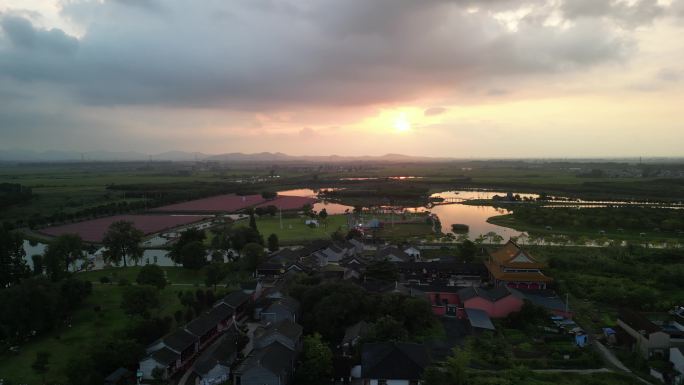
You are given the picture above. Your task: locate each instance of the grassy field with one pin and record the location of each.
(404, 231)
(577, 233)
(295, 230)
(89, 326)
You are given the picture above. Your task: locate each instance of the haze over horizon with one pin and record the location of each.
(438, 78)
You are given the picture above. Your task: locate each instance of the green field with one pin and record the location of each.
(88, 326)
(295, 230)
(582, 235)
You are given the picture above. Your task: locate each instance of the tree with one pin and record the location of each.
(122, 241)
(386, 329)
(467, 250)
(37, 264)
(457, 366)
(252, 256)
(139, 300)
(273, 244)
(194, 255)
(241, 235)
(68, 247)
(13, 267)
(252, 220)
(383, 270)
(191, 235)
(40, 364)
(323, 214)
(215, 274)
(151, 275)
(316, 366)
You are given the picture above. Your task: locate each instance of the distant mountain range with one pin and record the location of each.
(16, 155)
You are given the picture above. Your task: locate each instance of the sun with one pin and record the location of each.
(401, 123)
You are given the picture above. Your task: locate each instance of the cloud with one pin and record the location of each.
(270, 55)
(433, 111)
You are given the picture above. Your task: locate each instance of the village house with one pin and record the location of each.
(514, 267)
(286, 308)
(645, 337)
(395, 363)
(237, 300)
(213, 366)
(272, 365)
(170, 354)
(412, 252)
(677, 360)
(393, 254)
(442, 297)
(205, 328)
(498, 302)
(285, 332)
(460, 274)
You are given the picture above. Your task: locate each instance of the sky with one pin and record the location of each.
(445, 78)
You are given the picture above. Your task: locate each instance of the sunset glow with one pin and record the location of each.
(401, 123)
(487, 79)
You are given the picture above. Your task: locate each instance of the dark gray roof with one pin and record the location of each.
(236, 299)
(118, 375)
(287, 328)
(479, 319)
(275, 357)
(179, 340)
(223, 353)
(491, 295)
(638, 321)
(387, 251)
(394, 360)
(221, 311)
(202, 325)
(249, 285)
(165, 356)
(543, 298)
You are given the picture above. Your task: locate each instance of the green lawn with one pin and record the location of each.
(400, 232)
(87, 327)
(579, 232)
(175, 275)
(295, 230)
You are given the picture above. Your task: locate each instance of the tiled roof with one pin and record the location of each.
(235, 299)
(511, 276)
(179, 340)
(202, 325)
(638, 321)
(394, 361)
(492, 295)
(165, 356)
(510, 251)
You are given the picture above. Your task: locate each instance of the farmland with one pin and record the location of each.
(94, 230)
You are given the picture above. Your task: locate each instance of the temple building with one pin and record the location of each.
(514, 267)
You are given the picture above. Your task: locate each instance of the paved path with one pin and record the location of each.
(610, 357)
(578, 371)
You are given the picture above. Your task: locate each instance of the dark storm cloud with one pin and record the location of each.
(273, 54)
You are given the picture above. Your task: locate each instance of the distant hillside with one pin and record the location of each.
(15, 155)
